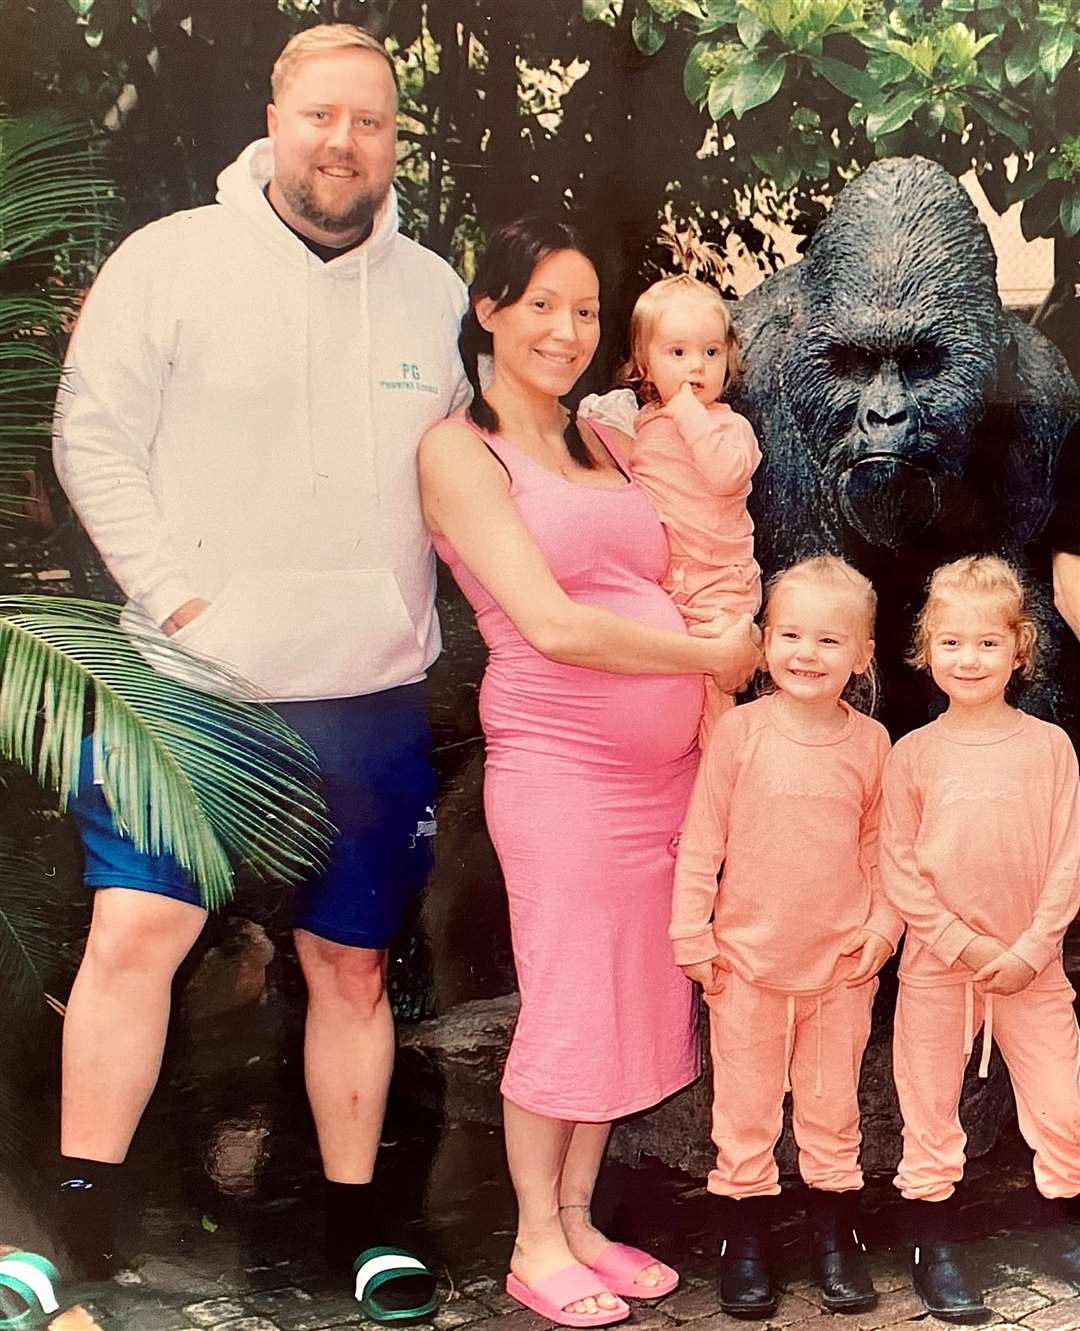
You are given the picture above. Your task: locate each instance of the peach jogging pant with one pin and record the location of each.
(1037, 1034)
(765, 1043)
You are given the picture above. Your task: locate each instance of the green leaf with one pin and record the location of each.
(935, 116)
(718, 14)
(695, 75)
(1041, 213)
(845, 78)
(757, 84)
(720, 93)
(1029, 182)
(1055, 49)
(1069, 213)
(750, 29)
(958, 6)
(182, 770)
(919, 55)
(894, 114)
(146, 9)
(81, 8)
(648, 34)
(999, 120)
(597, 11)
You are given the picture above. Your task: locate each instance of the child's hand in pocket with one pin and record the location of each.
(870, 951)
(711, 975)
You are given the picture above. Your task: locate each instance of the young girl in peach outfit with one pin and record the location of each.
(979, 854)
(787, 946)
(693, 456)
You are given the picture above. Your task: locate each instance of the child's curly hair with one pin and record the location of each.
(650, 305)
(988, 577)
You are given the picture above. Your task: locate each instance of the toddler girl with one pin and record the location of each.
(693, 456)
(979, 842)
(786, 947)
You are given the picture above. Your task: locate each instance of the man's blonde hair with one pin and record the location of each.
(650, 305)
(989, 578)
(323, 39)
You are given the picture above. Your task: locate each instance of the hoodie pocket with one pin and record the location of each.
(301, 635)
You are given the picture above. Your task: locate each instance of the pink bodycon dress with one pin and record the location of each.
(587, 780)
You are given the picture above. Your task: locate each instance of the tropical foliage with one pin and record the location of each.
(809, 88)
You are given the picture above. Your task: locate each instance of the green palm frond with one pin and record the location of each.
(185, 772)
(55, 218)
(53, 191)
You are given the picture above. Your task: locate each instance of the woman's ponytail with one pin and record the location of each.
(474, 341)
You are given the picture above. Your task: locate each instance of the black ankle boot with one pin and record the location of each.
(837, 1263)
(939, 1279)
(745, 1287)
(1067, 1265)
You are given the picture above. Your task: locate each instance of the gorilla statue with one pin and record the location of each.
(905, 417)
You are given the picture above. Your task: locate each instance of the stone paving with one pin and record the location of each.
(160, 1297)
(258, 1268)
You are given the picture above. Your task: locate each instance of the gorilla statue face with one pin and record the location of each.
(900, 353)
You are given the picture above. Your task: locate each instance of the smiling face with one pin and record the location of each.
(815, 640)
(334, 131)
(973, 651)
(544, 341)
(688, 346)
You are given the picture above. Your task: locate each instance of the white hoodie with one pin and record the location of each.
(238, 421)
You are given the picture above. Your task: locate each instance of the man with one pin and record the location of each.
(237, 430)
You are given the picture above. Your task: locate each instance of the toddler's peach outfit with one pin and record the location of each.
(696, 466)
(982, 836)
(794, 824)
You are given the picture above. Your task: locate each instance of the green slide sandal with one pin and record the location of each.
(376, 1271)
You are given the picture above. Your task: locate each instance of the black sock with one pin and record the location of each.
(355, 1222)
(87, 1197)
(349, 1223)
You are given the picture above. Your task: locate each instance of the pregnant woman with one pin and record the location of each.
(590, 706)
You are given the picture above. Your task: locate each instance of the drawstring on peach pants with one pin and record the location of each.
(969, 1027)
(789, 1045)
(789, 1040)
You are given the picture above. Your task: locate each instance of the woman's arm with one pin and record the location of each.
(466, 499)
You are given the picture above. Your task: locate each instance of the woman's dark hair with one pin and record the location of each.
(507, 264)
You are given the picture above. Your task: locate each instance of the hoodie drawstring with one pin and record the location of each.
(367, 430)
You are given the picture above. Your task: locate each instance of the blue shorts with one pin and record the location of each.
(374, 755)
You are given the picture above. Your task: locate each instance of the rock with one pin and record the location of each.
(230, 976)
(454, 1063)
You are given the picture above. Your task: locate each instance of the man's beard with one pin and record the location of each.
(299, 194)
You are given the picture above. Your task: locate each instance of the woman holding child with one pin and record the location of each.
(591, 704)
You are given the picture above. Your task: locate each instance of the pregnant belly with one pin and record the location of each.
(598, 717)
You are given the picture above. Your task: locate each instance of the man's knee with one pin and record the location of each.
(135, 932)
(353, 977)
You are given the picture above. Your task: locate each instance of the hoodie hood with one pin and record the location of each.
(241, 189)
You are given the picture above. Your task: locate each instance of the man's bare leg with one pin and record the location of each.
(118, 1015)
(348, 1052)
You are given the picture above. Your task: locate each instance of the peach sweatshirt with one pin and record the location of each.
(795, 824)
(982, 837)
(695, 466)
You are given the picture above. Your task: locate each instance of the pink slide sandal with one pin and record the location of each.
(548, 1297)
(620, 1265)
